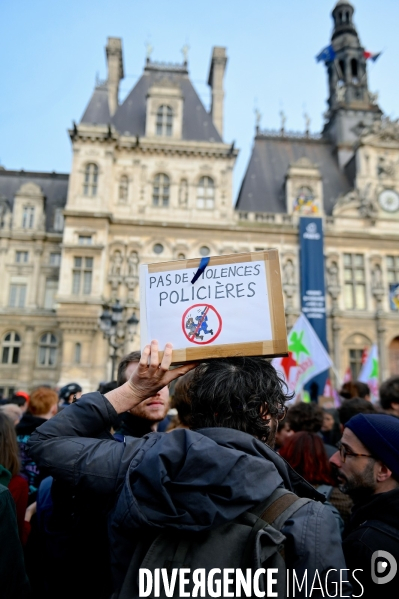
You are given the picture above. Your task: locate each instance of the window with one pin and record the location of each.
(355, 283)
(49, 294)
(58, 219)
(160, 194)
(355, 362)
(85, 239)
(123, 188)
(205, 193)
(21, 257)
(47, 350)
(164, 120)
(28, 217)
(17, 295)
(204, 251)
(78, 353)
(158, 248)
(82, 276)
(90, 180)
(6, 392)
(393, 269)
(55, 259)
(11, 346)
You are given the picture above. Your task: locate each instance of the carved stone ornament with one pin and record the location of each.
(288, 273)
(384, 129)
(133, 264)
(385, 167)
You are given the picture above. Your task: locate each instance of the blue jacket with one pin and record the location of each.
(187, 480)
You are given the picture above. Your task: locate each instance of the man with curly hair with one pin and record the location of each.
(192, 480)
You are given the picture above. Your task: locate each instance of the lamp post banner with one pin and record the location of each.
(313, 292)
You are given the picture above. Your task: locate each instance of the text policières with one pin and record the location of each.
(213, 286)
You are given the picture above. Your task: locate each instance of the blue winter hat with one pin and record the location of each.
(380, 434)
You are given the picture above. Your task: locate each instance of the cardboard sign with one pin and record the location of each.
(234, 308)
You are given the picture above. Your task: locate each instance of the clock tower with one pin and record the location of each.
(351, 106)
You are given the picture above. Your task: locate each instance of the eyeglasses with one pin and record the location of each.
(281, 413)
(344, 452)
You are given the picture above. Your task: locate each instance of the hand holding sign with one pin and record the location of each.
(148, 378)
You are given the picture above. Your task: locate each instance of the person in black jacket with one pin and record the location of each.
(367, 468)
(191, 480)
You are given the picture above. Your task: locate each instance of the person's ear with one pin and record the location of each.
(54, 409)
(383, 472)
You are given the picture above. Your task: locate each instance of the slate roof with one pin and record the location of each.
(130, 116)
(263, 187)
(97, 110)
(53, 185)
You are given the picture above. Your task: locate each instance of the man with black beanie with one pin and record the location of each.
(367, 469)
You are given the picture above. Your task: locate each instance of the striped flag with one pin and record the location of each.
(370, 372)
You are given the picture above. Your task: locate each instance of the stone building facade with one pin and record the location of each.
(151, 180)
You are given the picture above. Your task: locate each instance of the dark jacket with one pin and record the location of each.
(184, 480)
(374, 526)
(29, 469)
(14, 583)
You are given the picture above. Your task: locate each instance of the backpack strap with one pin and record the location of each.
(280, 506)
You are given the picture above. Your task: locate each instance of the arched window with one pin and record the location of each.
(90, 180)
(47, 350)
(11, 346)
(205, 193)
(354, 70)
(342, 70)
(160, 193)
(78, 353)
(164, 120)
(123, 188)
(183, 193)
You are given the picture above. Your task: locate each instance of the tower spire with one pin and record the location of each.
(349, 101)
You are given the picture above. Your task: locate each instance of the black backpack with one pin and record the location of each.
(253, 540)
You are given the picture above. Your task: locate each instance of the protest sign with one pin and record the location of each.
(234, 307)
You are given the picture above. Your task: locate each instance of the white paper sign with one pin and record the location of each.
(227, 304)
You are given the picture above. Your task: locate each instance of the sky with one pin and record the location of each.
(52, 53)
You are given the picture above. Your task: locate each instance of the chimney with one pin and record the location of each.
(115, 71)
(215, 81)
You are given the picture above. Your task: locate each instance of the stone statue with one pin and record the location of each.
(133, 262)
(376, 275)
(340, 93)
(184, 51)
(258, 117)
(332, 273)
(116, 264)
(307, 122)
(283, 120)
(149, 50)
(288, 273)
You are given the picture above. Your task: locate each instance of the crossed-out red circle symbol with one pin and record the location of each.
(201, 324)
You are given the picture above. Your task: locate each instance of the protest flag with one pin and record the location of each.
(370, 372)
(306, 358)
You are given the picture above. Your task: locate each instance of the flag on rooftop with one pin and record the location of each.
(371, 55)
(370, 372)
(326, 55)
(306, 358)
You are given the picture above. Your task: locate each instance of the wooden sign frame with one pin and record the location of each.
(277, 346)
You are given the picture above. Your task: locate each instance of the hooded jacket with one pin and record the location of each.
(184, 480)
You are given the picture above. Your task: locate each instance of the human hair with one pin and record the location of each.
(305, 417)
(353, 406)
(354, 389)
(237, 393)
(103, 388)
(42, 400)
(181, 399)
(305, 453)
(389, 392)
(9, 454)
(134, 356)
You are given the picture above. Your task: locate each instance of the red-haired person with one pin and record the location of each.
(306, 454)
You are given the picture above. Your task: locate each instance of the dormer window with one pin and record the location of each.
(90, 180)
(28, 216)
(164, 121)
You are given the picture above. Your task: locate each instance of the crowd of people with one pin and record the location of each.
(168, 458)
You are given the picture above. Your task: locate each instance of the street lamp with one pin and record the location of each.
(116, 329)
